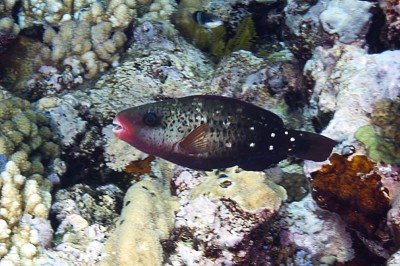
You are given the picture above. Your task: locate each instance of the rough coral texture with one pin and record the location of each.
(248, 77)
(322, 233)
(8, 33)
(382, 137)
(24, 208)
(149, 72)
(84, 215)
(356, 189)
(349, 82)
(333, 188)
(319, 23)
(392, 22)
(25, 135)
(346, 18)
(99, 205)
(88, 49)
(119, 12)
(146, 219)
(217, 217)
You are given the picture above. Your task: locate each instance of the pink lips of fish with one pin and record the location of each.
(130, 128)
(122, 130)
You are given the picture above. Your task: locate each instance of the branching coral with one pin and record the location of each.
(25, 136)
(24, 207)
(119, 12)
(87, 49)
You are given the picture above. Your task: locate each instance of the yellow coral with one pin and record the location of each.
(251, 190)
(146, 219)
(22, 124)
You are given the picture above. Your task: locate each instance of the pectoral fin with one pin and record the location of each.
(196, 141)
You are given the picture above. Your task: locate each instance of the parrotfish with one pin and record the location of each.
(206, 132)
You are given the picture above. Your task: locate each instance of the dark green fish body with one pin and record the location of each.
(210, 132)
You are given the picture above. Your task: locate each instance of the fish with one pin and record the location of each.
(206, 132)
(207, 20)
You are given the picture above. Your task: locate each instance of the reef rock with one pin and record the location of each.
(349, 83)
(218, 218)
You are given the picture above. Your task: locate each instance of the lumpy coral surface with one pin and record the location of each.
(352, 189)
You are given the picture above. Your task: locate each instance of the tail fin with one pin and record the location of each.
(311, 146)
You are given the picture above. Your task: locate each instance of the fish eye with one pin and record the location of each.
(150, 119)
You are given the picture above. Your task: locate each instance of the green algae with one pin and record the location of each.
(379, 149)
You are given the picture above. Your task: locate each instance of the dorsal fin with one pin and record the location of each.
(195, 142)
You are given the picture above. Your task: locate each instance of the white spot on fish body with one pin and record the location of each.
(272, 135)
(271, 147)
(286, 132)
(292, 139)
(252, 145)
(228, 145)
(252, 128)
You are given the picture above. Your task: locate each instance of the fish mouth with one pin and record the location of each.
(118, 128)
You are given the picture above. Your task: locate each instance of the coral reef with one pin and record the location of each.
(24, 207)
(292, 178)
(25, 135)
(15, 72)
(149, 72)
(146, 219)
(333, 186)
(322, 233)
(366, 211)
(219, 214)
(251, 78)
(119, 12)
(347, 19)
(381, 140)
(81, 45)
(8, 33)
(351, 89)
(319, 23)
(81, 39)
(310, 62)
(84, 216)
(379, 149)
(99, 205)
(392, 22)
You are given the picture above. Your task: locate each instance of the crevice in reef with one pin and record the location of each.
(374, 35)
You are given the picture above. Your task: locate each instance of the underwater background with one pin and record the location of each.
(71, 193)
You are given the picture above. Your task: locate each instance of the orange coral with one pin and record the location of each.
(354, 190)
